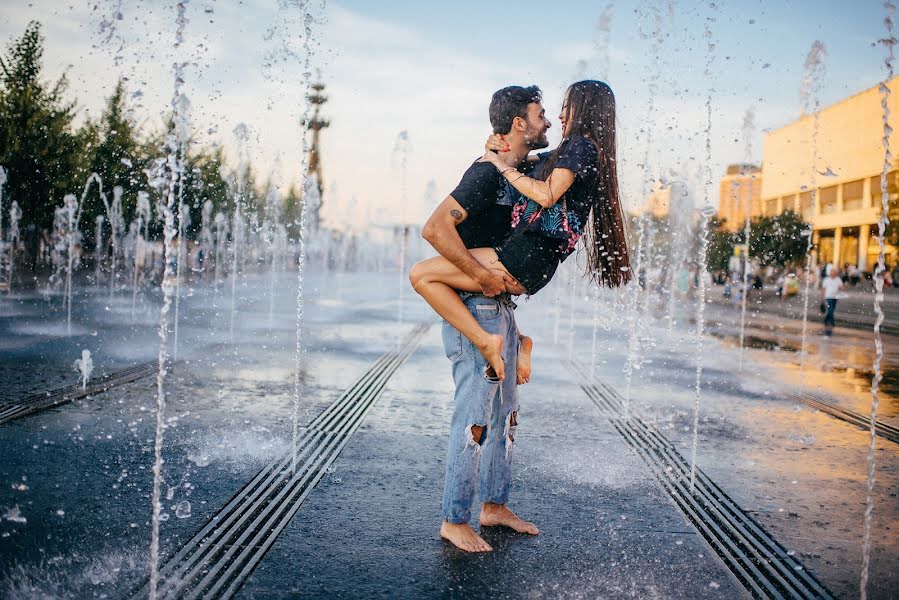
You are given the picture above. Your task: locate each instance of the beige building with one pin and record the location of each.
(841, 197)
(671, 201)
(741, 190)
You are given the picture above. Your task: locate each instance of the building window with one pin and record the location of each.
(771, 207)
(853, 195)
(828, 199)
(788, 203)
(892, 188)
(806, 208)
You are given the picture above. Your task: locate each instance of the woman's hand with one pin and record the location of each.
(492, 157)
(496, 143)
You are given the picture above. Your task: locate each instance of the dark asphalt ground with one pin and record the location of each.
(370, 528)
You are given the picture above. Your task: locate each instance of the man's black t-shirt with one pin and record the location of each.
(487, 198)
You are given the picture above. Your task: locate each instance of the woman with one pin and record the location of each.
(578, 194)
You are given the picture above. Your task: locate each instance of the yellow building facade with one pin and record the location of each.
(741, 191)
(838, 189)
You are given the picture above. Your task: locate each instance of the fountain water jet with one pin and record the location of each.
(810, 96)
(84, 365)
(632, 362)
(890, 42)
(242, 133)
(309, 186)
(705, 213)
(167, 208)
(401, 150)
(748, 131)
(143, 223)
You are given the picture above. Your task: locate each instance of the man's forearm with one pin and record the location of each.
(449, 245)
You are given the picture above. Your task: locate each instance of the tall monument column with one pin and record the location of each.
(317, 98)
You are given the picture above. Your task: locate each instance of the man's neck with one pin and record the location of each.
(517, 154)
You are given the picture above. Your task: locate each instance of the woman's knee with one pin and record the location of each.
(418, 275)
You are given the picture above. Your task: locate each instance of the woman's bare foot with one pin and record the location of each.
(463, 537)
(492, 349)
(525, 346)
(499, 514)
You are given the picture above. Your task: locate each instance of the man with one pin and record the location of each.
(478, 214)
(831, 289)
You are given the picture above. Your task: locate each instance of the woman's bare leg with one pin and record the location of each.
(437, 281)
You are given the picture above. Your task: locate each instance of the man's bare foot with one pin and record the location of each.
(463, 537)
(492, 349)
(525, 346)
(499, 514)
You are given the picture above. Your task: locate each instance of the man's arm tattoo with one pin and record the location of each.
(456, 214)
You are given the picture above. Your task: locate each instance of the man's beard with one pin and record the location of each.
(538, 142)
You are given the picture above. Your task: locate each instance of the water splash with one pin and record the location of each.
(810, 97)
(85, 366)
(889, 42)
(748, 132)
(705, 214)
(167, 207)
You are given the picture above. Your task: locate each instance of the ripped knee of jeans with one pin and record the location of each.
(509, 431)
(476, 435)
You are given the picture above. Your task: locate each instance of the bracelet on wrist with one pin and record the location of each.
(506, 170)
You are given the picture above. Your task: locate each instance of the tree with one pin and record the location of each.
(778, 240)
(37, 146)
(203, 180)
(116, 155)
(293, 206)
(721, 244)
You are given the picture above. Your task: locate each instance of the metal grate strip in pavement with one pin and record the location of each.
(756, 559)
(887, 432)
(218, 559)
(43, 401)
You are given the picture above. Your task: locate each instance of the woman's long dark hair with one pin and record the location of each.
(590, 111)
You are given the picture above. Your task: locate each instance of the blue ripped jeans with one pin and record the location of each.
(479, 402)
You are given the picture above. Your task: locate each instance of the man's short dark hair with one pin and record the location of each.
(511, 102)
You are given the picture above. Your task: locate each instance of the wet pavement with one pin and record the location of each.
(74, 498)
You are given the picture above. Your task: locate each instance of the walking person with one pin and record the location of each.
(831, 290)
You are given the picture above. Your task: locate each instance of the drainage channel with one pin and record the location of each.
(42, 401)
(887, 432)
(759, 562)
(218, 559)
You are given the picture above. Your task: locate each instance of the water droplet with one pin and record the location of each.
(182, 509)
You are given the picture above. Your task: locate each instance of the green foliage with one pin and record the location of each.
(778, 240)
(115, 153)
(721, 244)
(293, 205)
(37, 146)
(46, 157)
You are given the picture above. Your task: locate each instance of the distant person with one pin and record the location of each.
(831, 288)
(854, 275)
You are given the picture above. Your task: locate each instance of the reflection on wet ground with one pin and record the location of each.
(839, 365)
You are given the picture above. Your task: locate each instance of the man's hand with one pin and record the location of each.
(492, 283)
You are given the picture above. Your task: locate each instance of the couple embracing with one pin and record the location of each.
(504, 230)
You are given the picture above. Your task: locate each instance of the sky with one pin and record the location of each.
(429, 68)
